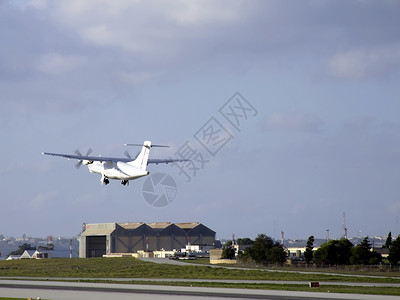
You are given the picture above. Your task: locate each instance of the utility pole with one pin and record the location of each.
(327, 235)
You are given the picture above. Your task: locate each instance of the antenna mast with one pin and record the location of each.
(344, 225)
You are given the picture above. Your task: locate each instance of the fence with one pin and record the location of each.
(382, 268)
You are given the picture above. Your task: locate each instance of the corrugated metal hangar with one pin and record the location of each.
(99, 239)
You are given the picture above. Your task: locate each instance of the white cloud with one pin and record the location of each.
(41, 200)
(114, 36)
(76, 9)
(364, 63)
(89, 199)
(135, 78)
(394, 208)
(99, 35)
(198, 12)
(55, 63)
(293, 122)
(149, 28)
(38, 4)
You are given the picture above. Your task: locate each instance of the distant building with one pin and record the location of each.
(215, 257)
(28, 254)
(296, 252)
(13, 257)
(382, 251)
(111, 238)
(34, 254)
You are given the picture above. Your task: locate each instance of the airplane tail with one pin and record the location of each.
(141, 160)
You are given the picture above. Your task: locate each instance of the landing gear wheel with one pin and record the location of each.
(125, 182)
(106, 181)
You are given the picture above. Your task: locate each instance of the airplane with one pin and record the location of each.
(123, 169)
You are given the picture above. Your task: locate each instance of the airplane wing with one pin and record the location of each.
(115, 159)
(89, 158)
(164, 161)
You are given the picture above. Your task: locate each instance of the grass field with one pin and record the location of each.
(356, 270)
(134, 268)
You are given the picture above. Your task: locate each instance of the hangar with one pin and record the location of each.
(97, 240)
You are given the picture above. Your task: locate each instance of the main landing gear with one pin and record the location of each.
(125, 182)
(104, 180)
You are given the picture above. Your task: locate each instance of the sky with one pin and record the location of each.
(290, 110)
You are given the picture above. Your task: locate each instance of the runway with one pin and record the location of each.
(161, 280)
(83, 290)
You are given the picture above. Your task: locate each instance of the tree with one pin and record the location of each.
(264, 250)
(258, 251)
(244, 241)
(46, 248)
(308, 253)
(21, 249)
(344, 252)
(388, 242)
(362, 254)
(394, 252)
(376, 258)
(276, 254)
(334, 252)
(228, 252)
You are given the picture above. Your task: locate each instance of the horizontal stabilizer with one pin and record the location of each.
(164, 146)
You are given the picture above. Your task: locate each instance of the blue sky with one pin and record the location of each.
(322, 75)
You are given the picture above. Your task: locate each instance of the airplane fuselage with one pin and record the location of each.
(116, 170)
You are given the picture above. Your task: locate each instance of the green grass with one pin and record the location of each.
(127, 267)
(347, 270)
(134, 268)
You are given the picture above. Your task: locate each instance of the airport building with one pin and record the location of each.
(97, 240)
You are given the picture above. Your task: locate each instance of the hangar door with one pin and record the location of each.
(95, 246)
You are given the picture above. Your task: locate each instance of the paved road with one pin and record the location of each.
(87, 291)
(122, 280)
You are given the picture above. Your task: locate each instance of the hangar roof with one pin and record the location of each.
(109, 228)
(160, 225)
(187, 225)
(131, 225)
(97, 231)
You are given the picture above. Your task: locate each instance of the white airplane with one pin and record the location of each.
(124, 169)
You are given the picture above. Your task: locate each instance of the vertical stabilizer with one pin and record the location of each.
(141, 160)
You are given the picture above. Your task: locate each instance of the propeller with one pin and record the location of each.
(79, 163)
(128, 155)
